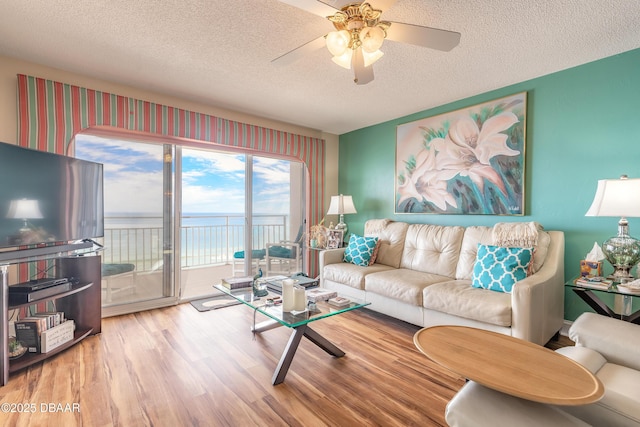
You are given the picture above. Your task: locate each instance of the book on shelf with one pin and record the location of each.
(595, 283)
(52, 319)
(237, 282)
(28, 332)
(31, 330)
(320, 294)
(339, 302)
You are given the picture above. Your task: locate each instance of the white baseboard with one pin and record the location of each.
(565, 328)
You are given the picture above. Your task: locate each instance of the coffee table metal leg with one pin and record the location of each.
(292, 346)
(323, 343)
(287, 355)
(266, 325)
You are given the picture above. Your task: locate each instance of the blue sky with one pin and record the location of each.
(213, 182)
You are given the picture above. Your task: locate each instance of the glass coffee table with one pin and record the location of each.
(591, 295)
(298, 321)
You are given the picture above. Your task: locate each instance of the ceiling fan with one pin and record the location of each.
(359, 34)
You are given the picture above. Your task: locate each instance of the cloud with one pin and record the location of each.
(213, 182)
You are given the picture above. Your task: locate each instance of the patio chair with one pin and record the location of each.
(257, 256)
(284, 257)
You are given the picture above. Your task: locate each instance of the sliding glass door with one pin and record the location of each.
(218, 238)
(211, 220)
(179, 219)
(137, 260)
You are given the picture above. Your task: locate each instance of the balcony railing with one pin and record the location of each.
(205, 239)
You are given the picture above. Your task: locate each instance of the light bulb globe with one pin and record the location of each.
(344, 60)
(371, 38)
(338, 42)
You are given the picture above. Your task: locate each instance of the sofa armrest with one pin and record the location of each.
(590, 359)
(331, 256)
(537, 302)
(614, 339)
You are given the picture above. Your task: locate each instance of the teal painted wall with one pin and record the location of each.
(583, 124)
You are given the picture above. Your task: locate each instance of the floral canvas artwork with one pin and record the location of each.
(470, 161)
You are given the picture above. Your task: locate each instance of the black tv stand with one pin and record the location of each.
(81, 302)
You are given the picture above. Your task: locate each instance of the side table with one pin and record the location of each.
(591, 297)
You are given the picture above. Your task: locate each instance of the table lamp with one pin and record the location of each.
(619, 198)
(341, 205)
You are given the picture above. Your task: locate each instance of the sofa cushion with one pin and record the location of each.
(469, 249)
(360, 249)
(541, 250)
(350, 274)
(374, 255)
(478, 406)
(432, 249)
(458, 298)
(620, 405)
(621, 386)
(391, 235)
(498, 268)
(401, 284)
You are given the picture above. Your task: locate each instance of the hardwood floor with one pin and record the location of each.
(179, 367)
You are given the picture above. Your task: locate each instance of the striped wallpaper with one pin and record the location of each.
(51, 113)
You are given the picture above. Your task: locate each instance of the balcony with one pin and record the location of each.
(208, 243)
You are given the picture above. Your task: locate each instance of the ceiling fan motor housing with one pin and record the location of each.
(362, 23)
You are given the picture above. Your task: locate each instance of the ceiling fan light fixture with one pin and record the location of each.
(372, 38)
(371, 57)
(338, 42)
(344, 60)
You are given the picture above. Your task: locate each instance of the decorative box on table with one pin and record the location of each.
(590, 268)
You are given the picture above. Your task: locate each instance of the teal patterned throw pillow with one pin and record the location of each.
(360, 249)
(498, 268)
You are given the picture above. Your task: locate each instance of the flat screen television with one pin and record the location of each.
(48, 198)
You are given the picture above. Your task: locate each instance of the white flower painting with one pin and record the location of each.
(469, 161)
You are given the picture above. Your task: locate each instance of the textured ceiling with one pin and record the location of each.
(219, 52)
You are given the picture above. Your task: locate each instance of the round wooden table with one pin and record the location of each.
(510, 365)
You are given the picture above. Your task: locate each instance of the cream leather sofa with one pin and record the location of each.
(608, 347)
(422, 275)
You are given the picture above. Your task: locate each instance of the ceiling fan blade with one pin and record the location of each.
(362, 74)
(418, 35)
(383, 5)
(300, 51)
(312, 6)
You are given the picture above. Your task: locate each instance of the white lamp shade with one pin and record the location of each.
(371, 38)
(617, 198)
(24, 209)
(371, 57)
(341, 205)
(338, 42)
(344, 60)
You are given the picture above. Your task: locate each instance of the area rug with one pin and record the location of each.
(214, 302)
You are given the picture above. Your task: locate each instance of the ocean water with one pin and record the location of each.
(205, 238)
(139, 220)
